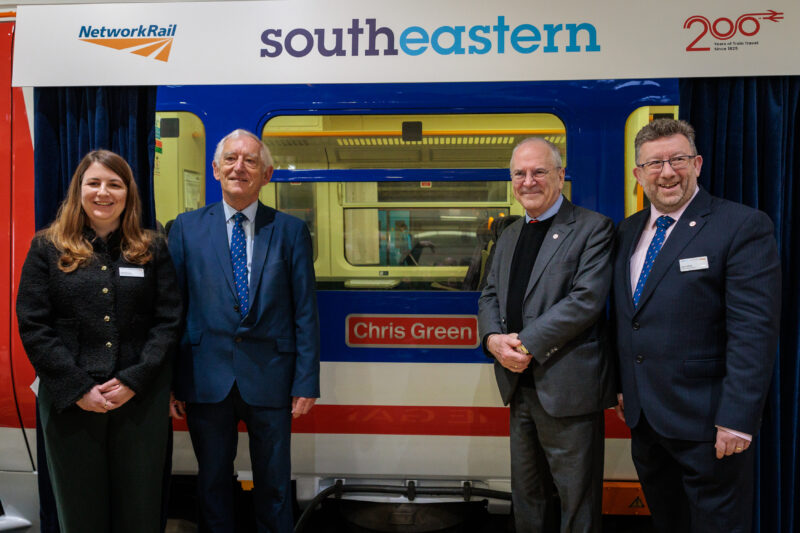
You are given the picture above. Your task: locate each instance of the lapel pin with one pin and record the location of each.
(692, 224)
(555, 235)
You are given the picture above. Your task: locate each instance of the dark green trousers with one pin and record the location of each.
(107, 469)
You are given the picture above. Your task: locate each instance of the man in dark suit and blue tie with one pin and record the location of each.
(540, 320)
(696, 304)
(250, 349)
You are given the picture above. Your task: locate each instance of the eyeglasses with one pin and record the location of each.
(539, 173)
(679, 162)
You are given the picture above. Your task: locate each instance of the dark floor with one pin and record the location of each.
(349, 517)
(611, 524)
(333, 519)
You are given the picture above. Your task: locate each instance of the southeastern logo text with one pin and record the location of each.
(371, 39)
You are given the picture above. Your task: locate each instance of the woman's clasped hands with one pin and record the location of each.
(106, 397)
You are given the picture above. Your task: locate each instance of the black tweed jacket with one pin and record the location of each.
(107, 319)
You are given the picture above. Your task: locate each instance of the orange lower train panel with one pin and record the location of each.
(624, 498)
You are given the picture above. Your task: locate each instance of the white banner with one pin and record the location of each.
(358, 41)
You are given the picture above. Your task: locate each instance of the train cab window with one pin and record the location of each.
(179, 180)
(401, 201)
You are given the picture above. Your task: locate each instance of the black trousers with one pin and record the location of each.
(688, 489)
(48, 516)
(107, 469)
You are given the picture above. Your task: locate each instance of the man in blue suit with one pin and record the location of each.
(250, 348)
(696, 305)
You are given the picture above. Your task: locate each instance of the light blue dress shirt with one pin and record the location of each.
(551, 212)
(247, 225)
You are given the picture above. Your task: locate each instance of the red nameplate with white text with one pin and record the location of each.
(412, 331)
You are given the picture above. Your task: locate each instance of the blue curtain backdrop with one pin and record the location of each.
(68, 123)
(748, 132)
(71, 121)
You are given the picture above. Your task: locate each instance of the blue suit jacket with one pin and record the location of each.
(699, 349)
(273, 353)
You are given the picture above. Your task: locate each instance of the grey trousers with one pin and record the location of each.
(549, 455)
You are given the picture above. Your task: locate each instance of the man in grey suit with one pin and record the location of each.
(540, 319)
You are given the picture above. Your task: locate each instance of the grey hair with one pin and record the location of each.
(264, 154)
(664, 127)
(553, 150)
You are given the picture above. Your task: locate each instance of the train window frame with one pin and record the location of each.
(179, 166)
(271, 195)
(333, 266)
(443, 137)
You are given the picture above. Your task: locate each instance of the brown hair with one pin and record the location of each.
(664, 127)
(66, 232)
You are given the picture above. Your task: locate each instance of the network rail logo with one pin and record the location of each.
(367, 36)
(150, 40)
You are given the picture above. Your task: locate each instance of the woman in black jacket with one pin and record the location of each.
(99, 315)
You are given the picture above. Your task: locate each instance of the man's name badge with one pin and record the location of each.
(694, 263)
(131, 272)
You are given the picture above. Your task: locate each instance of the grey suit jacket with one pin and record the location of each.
(563, 310)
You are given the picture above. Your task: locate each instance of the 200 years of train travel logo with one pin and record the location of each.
(726, 34)
(144, 40)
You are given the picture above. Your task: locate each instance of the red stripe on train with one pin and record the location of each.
(405, 420)
(416, 420)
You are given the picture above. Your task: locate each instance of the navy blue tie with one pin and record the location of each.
(662, 223)
(239, 261)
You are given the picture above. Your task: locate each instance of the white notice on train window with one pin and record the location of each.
(131, 272)
(694, 263)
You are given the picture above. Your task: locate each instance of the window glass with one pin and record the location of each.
(402, 232)
(404, 141)
(417, 237)
(428, 191)
(298, 199)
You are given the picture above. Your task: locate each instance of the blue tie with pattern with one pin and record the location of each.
(662, 223)
(239, 261)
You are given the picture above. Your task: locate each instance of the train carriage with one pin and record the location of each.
(399, 185)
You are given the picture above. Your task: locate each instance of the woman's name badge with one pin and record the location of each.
(694, 263)
(131, 272)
